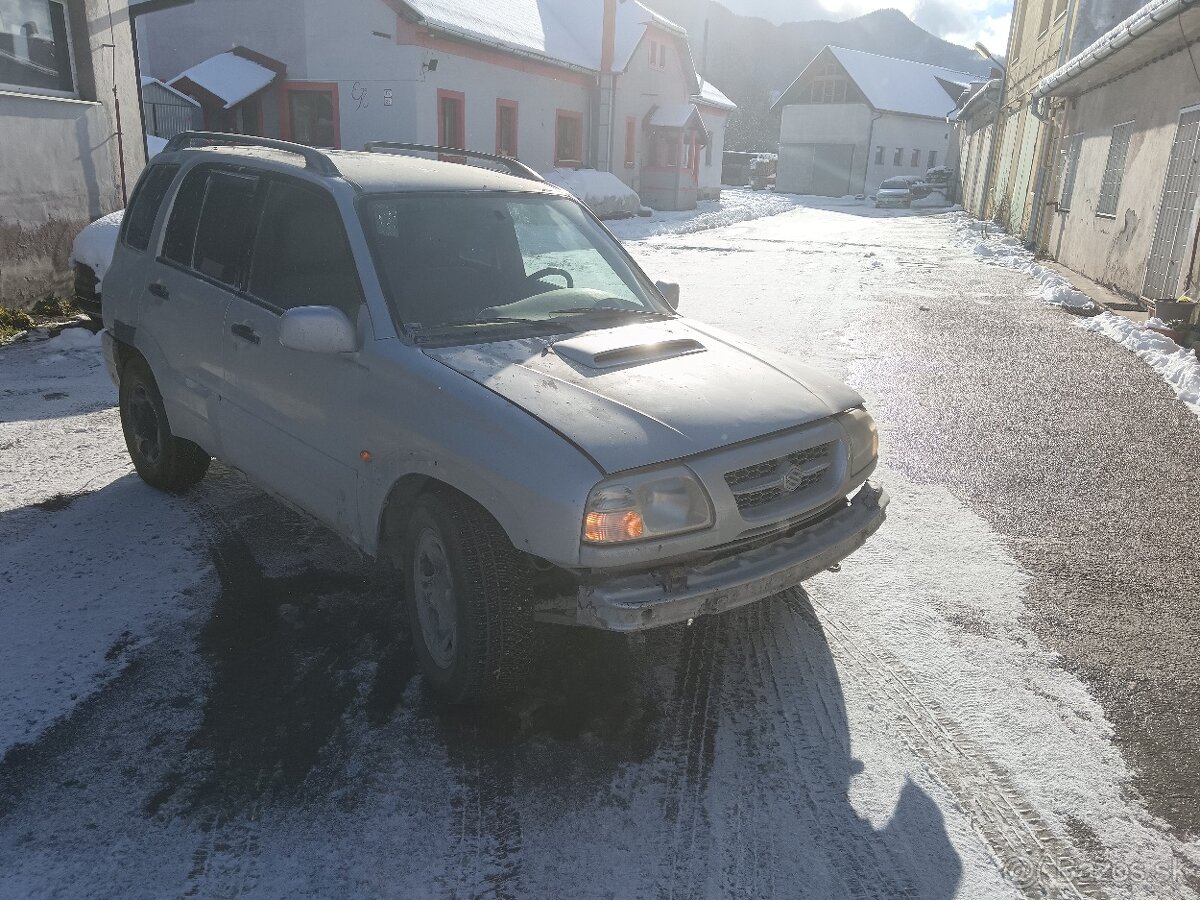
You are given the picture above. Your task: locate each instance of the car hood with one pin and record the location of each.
(645, 393)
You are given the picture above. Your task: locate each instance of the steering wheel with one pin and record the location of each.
(552, 270)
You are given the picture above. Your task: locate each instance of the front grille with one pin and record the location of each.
(783, 477)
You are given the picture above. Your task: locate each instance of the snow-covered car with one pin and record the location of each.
(461, 372)
(91, 253)
(894, 192)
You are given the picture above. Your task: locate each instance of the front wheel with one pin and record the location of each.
(469, 600)
(163, 460)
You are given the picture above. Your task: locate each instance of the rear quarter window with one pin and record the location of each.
(146, 202)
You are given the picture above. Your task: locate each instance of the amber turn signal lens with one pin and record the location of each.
(620, 525)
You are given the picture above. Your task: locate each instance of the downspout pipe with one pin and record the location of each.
(870, 140)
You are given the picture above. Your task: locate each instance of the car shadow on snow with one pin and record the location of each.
(729, 736)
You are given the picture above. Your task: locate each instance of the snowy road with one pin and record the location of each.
(997, 698)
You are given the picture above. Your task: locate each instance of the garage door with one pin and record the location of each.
(1174, 228)
(822, 169)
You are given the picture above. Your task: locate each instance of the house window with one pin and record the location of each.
(451, 121)
(1071, 166)
(506, 128)
(662, 56)
(630, 142)
(1114, 170)
(708, 151)
(312, 117)
(879, 156)
(654, 53)
(568, 138)
(35, 52)
(672, 144)
(1044, 25)
(898, 158)
(916, 159)
(932, 159)
(828, 89)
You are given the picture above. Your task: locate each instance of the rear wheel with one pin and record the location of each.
(469, 600)
(163, 460)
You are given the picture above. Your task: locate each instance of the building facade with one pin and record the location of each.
(557, 83)
(852, 119)
(71, 135)
(1122, 198)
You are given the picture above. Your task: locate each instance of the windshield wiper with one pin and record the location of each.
(604, 311)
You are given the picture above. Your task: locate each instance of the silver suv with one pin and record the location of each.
(461, 372)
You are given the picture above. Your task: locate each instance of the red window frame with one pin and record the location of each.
(285, 107)
(500, 150)
(461, 99)
(577, 118)
(630, 141)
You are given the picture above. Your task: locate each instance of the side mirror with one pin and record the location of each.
(670, 292)
(317, 329)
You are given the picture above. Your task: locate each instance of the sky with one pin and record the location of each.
(961, 21)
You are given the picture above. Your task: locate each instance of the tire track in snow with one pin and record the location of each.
(697, 694)
(1034, 858)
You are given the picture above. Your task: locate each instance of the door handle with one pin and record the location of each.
(245, 332)
(159, 290)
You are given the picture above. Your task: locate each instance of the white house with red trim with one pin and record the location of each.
(605, 84)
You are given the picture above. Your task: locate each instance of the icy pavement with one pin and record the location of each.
(944, 718)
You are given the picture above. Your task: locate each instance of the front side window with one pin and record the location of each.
(312, 120)
(479, 266)
(1114, 170)
(302, 256)
(212, 225)
(35, 53)
(568, 142)
(143, 208)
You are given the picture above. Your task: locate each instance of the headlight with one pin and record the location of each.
(648, 505)
(864, 438)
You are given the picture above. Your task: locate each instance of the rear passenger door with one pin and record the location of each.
(202, 264)
(286, 415)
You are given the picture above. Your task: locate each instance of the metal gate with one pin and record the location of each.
(1176, 211)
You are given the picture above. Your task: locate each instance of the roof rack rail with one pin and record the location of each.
(514, 166)
(316, 160)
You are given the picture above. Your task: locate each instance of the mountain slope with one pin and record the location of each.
(749, 58)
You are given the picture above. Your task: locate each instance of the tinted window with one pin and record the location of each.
(226, 229)
(302, 257)
(147, 199)
(185, 213)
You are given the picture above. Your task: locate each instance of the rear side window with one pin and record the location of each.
(302, 256)
(213, 224)
(143, 208)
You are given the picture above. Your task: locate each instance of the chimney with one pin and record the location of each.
(608, 37)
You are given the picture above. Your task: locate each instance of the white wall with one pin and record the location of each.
(710, 172)
(61, 163)
(907, 133)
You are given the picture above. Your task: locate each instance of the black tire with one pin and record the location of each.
(163, 460)
(492, 641)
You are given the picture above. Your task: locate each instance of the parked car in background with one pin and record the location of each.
(91, 253)
(894, 192)
(461, 372)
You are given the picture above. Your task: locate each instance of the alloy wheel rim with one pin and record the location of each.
(433, 590)
(146, 438)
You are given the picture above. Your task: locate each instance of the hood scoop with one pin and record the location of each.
(624, 347)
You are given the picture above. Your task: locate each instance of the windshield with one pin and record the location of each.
(894, 184)
(457, 264)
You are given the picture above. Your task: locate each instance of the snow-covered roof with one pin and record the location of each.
(562, 31)
(674, 115)
(710, 96)
(229, 77)
(898, 85)
(147, 81)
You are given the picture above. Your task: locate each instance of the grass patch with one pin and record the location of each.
(13, 321)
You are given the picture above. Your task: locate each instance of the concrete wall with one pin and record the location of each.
(62, 160)
(1114, 250)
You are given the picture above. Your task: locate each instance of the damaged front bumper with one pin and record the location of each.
(665, 597)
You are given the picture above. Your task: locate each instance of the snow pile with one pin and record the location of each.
(736, 205)
(94, 245)
(605, 194)
(1178, 366)
(1004, 250)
